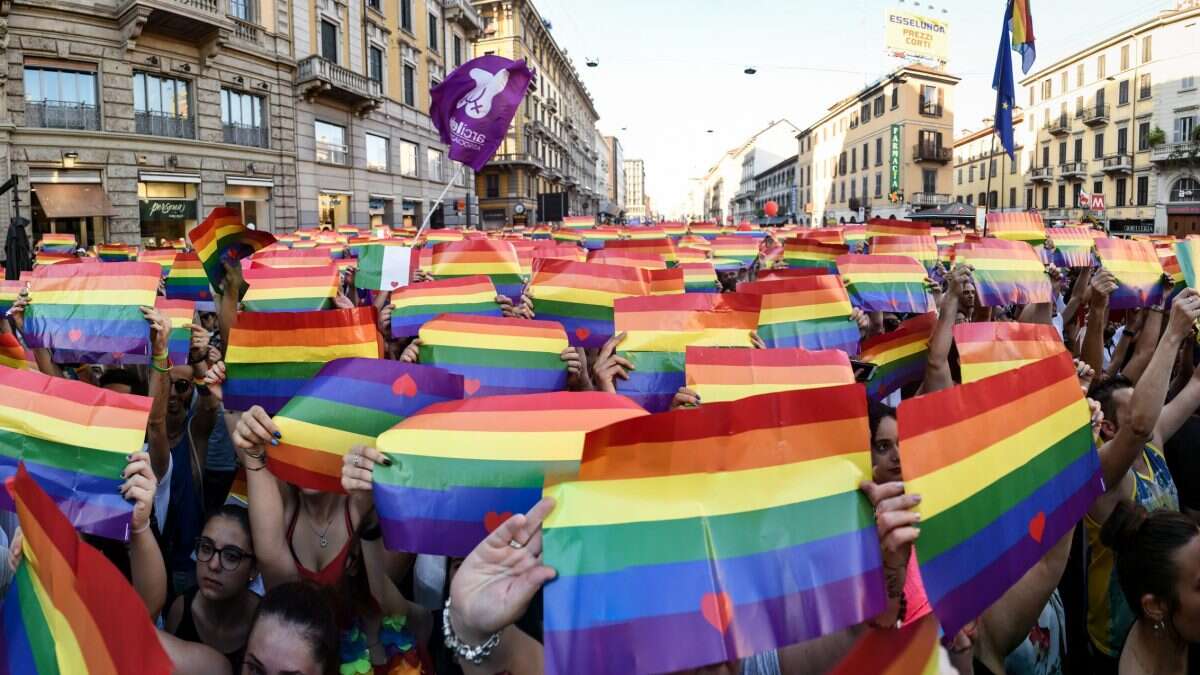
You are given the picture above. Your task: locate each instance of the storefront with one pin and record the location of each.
(70, 201)
(167, 205)
(380, 210)
(252, 198)
(333, 209)
(410, 212)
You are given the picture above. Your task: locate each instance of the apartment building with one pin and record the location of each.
(776, 184)
(882, 151)
(635, 190)
(729, 186)
(1118, 118)
(983, 172)
(545, 168)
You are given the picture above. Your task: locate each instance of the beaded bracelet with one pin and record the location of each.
(474, 654)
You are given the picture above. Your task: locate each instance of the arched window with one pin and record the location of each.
(1186, 189)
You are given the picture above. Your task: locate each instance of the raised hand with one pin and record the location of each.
(412, 353)
(577, 371)
(139, 487)
(358, 468)
(1185, 311)
(254, 431)
(160, 330)
(685, 398)
(610, 367)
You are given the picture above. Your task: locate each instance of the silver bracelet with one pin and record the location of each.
(474, 654)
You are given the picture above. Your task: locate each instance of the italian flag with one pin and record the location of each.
(384, 268)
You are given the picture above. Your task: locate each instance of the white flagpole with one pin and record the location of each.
(442, 196)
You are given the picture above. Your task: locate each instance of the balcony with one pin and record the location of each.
(1072, 171)
(241, 134)
(929, 199)
(246, 31)
(1169, 152)
(462, 13)
(517, 158)
(1041, 174)
(164, 124)
(193, 21)
(1118, 163)
(1093, 116)
(316, 77)
(1059, 126)
(931, 109)
(62, 115)
(928, 152)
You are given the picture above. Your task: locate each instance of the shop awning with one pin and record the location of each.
(66, 200)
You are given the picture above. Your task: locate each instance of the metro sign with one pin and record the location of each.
(1091, 202)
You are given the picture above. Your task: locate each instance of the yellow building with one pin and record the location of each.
(546, 166)
(979, 156)
(883, 151)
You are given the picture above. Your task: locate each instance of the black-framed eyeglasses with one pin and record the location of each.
(181, 386)
(231, 556)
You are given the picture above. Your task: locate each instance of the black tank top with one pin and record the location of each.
(187, 631)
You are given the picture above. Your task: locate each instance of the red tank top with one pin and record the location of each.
(332, 573)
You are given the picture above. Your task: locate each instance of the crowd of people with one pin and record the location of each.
(296, 581)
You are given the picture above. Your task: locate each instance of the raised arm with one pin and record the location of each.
(1103, 284)
(160, 391)
(227, 302)
(937, 367)
(253, 434)
(147, 570)
(1079, 298)
(1149, 328)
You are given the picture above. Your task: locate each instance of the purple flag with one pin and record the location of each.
(473, 107)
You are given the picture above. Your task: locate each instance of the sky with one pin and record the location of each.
(670, 70)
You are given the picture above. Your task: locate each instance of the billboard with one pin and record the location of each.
(907, 34)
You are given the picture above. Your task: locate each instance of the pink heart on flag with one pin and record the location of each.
(471, 386)
(74, 334)
(405, 385)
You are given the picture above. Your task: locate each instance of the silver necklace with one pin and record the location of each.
(321, 534)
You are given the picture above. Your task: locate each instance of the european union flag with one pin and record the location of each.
(1002, 82)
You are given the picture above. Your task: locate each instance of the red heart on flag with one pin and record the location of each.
(492, 520)
(582, 333)
(395, 284)
(405, 385)
(471, 386)
(1037, 526)
(717, 609)
(75, 334)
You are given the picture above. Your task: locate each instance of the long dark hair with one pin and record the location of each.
(876, 411)
(306, 607)
(1145, 546)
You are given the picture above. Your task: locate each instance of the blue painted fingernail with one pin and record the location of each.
(278, 435)
(274, 442)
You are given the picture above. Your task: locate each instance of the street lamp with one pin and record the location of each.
(69, 159)
(750, 70)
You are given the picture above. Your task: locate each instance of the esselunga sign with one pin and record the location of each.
(909, 34)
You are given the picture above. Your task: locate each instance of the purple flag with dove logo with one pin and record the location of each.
(473, 107)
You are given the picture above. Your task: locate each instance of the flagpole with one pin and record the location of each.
(987, 198)
(425, 223)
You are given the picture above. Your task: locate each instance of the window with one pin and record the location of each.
(1012, 197)
(878, 184)
(992, 199)
(843, 192)
(408, 158)
(1079, 75)
(971, 174)
(1076, 189)
(1031, 96)
(406, 15)
(1186, 189)
(375, 64)
(960, 175)
(1125, 57)
(1187, 83)
(866, 113)
(458, 50)
(992, 168)
(329, 41)
(1062, 152)
(1078, 154)
(1098, 187)
(1079, 106)
(1012, 163)
(1100, 100)
(61, 98)
(161, 106)
(928, 181)
(433, 162)
(1045, 155)
(1143, 136)
(410, 85)
(853, 191)
(1062, 196)
(1046, 85)
(853, 160)
(982, 198)
(1120, 192)
(1029, 198)
(1144, 86)
(842, 164)
(1045, 198)
(866, 146)
(895, 98)
(1066, 83)
(242, 118)
(931, 100)
(377, 153)
(878, 106)
(433, 32)
(1100, 67)
(1146, 53)
(1183, 129)
(244, 9)
(375, 5)
(492, 185)
(1123, 92)
(971, 200)
(330, 142)
(1098, 146)
(1122, 140)
(878, 152)
(1143, 190)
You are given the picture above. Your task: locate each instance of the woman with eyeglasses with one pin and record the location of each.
(219, 610)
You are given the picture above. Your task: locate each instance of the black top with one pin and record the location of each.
(186, 630)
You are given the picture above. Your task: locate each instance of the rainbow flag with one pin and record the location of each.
(578, 222)
(182, 314)
(790, 273)
(827, 235)
(13, 354)
(271, 355)
(116, 252)
(687, 254)
(698, 277)
(1006, 272)
(417, 304)
(222, 236)
(557, 251)
(661, 246)
(987, 349)
(350, 402)
(187, 280)
(899, 356)
(164, 257)
(541, 232)
(880, 227)
(674, 230)
(497, 356)
(728, 374)
(68, 609)
(809, 312)
(1073, 246)
(643, 232)
(57, 243)
(810, 253)
(1137, 269)
(1021, 25)
(660, 328)
(740, 248)
(693, 241)
(580, 296)
(885, 283)
(996, 497)
(463, 467)
(9, 292)
(922, 249)
(284, 258)
(290, 289)
(911, 650)
(47, 258)
(1187, 255)
(568, 237)
(73, 438)
(702, 536)
(706, 230)
(594, 239)
(644, 261)
(92, 313)
(495, 258)
(1016, 226)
